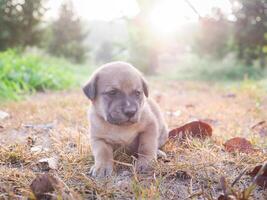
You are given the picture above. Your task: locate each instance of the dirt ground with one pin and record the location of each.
(54, 125)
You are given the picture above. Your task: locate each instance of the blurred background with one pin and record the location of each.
(48, 44)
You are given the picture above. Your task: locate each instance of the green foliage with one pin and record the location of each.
(21, 74)
(225, 71)
(68, 35)
(19, 22)
(245, 34)
(250, 30)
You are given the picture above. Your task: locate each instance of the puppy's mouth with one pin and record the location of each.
(119, 122)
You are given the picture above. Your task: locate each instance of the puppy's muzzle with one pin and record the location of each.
(129, 111)
(124, 116)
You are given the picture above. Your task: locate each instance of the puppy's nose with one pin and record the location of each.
(129, 111)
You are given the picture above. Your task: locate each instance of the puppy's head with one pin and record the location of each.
(117, 91)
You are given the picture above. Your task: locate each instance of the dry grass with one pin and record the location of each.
(192, 171)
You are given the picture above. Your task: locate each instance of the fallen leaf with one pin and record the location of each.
(255, 171)
(223, 197)
(261, 179)
(238, 144)
(43, 186)
(197, 129)
(50, 187)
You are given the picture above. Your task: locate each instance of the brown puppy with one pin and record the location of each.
(122, 114)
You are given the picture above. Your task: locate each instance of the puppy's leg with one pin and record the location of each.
(162, 140)
(163, 135)
(147, 149)
(133, 147)
(103, 155)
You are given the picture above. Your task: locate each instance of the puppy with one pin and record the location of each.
(122, 114)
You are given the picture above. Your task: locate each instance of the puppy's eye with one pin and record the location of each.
(137, 93)
(112, 92)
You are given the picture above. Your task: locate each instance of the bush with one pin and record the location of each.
(67, 35)
(21, 74)
(229, 69)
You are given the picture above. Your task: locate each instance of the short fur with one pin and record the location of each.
(122, 114)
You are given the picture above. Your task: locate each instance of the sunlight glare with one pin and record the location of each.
(167, 16)
(98, 9)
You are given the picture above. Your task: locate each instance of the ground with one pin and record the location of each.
(54, 125)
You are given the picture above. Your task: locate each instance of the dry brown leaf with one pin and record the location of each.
(198, 129)
(261, 180)
(223, 197)
(255, 171)
(238, 144)
(49, 187)
(43, 185)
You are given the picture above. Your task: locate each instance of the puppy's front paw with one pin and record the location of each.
(101, 171)
(142, 166)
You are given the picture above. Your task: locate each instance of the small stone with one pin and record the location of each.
(47, 126)
(45, 164)
(3, 115)
(38, 149)
(161, 154)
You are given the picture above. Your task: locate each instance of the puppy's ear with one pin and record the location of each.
(145, 87)
(90, 88)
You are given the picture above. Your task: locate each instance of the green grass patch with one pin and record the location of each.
(227, 70)
(22, 74)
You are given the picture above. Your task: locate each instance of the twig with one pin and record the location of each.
(238, 178)
(193, 8)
